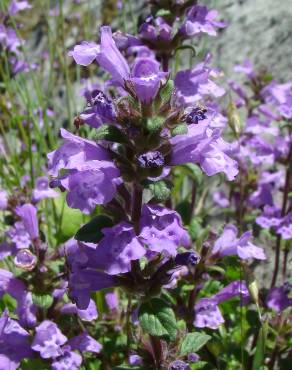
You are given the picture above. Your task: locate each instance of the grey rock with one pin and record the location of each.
(260, 30)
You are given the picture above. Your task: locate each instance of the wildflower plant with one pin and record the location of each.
(169, 199)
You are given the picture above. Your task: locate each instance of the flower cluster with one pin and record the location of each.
(150, 271)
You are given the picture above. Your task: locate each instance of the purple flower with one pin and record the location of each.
(207, 314)
(16, 6)
(28, 215)
(14, 341)
(162, 230)
(285, 227)
(152, 159)
(85, 53)
(144, 78)
(201, 20)
(118, 248)
(135, 360)
(89, 314)
(3, 199)
(192, 84)
(220, 199)
(179, 365)
(42, 190)
(93, 184)
(228, 244)
(91, 178)
(112, 301)
(278, 298)
(99, 110)
(75, 151)
(85, 343)
(236, 288)
(83, 282)
(246, 67)
(155, 30)
(25, 259)
(48, 340)
(19, 235)
(193, 357)
(25, 310)
(271, 217)
(203, 146)
(69, 360)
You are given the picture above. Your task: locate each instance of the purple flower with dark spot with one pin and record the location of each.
(152, 159)
(69, 360)
(100, 109)
(162, 230)
(179, 365)
(42, 190)
(197, 114)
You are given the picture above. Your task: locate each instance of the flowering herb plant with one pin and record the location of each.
(138, 237)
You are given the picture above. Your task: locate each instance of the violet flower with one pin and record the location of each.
(48, 340)
(28, 215)
(100, 109)
(91, 178)
(112, 301)
(203, 146)
(89, 314)
(162, 230)
(17, 6)
(42, 190)
(201, 20)
(118, 248)
(14, 341)
(144, 77)
(278, 298)
(3, 199)
(228, 244)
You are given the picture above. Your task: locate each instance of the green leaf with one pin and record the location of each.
(202, 365)
(163, 13)
(166, 91)
(194, 172)
(193, 342)
(180, 130)
(110, 133)
(69, 220)
(42, 300)
(158, 319)
(155, 124)
(160, 190)
(259, 355)
(91, 232)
